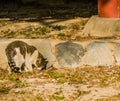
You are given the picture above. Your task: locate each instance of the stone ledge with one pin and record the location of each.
(62, 54)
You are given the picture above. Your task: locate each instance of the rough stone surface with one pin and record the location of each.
(102, 27)
(98, 54)
(3, 58)
(117, 53)
(69, 54)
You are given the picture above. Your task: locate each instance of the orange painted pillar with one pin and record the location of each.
(109, 8)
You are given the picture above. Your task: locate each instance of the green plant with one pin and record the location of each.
(3, 21)
(4, 90)
(59, 27)
(55, 75)
(44, 30)
(79, 92)
(13, 100)
(58, 97)
(61, 35)
(39, 97)
(20, 92)
(104, 80)
(75, 26)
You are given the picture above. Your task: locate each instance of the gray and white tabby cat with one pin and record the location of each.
(24, 57)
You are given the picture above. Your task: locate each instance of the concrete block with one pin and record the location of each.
(102, 27)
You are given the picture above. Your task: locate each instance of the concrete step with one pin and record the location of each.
(102, 27)
(68, 54)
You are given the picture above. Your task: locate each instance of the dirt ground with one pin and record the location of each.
(63, 22)
(45, 21)
(80, 84)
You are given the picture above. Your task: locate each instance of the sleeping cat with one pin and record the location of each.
(24, 57)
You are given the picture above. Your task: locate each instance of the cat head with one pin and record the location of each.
(41, 63)
(16, 70)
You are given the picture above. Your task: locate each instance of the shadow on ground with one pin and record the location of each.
(41, 12)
